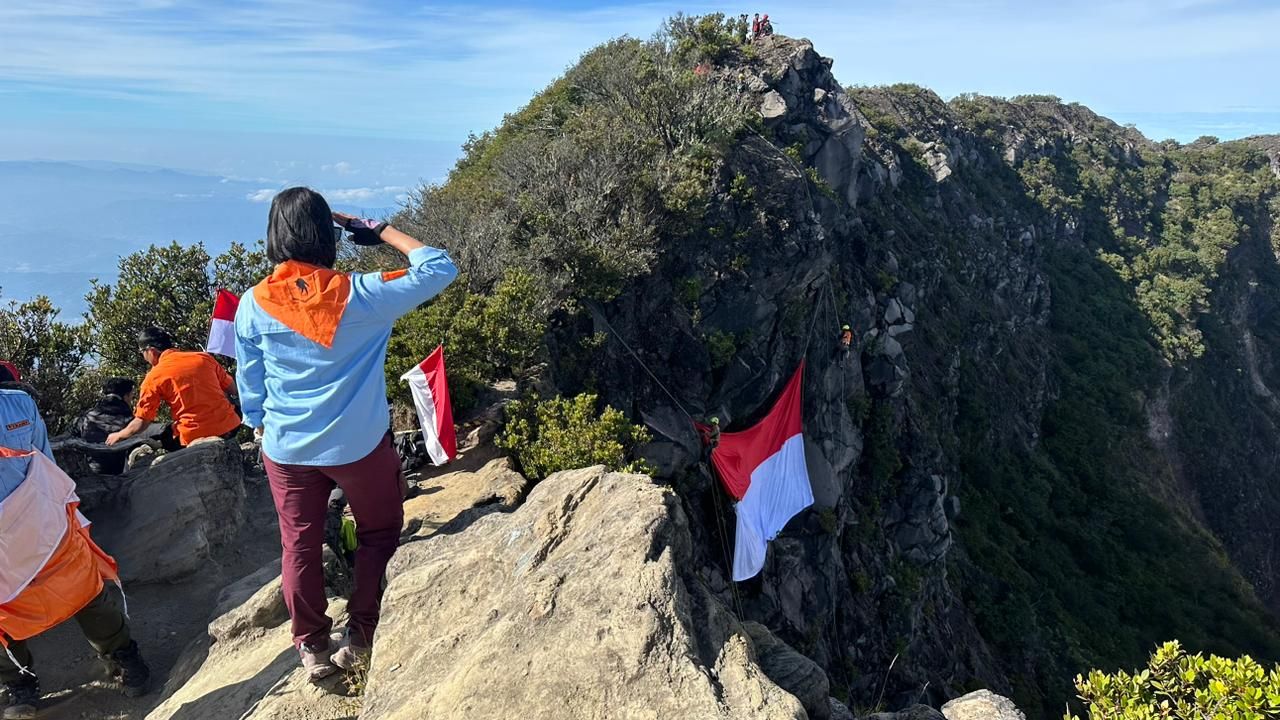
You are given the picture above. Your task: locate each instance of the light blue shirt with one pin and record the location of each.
(328, 406)
(21, 428)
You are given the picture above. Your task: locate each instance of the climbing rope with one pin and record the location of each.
(643, 366)
(715, 493)
(724, 550)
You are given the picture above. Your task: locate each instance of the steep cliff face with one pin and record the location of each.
(990, 509)
(1053, 436)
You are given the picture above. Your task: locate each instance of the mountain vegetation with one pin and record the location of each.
(1052, 448)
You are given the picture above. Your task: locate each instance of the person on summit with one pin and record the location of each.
(52, 569)
(194, 386)
(311, 343)
(112, 412)
(755, 26)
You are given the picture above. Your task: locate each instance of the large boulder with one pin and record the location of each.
(579, 604)
(178, 511)
(982, 705)
(792, 671)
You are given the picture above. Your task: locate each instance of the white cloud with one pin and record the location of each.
(386, 194)
(341, 167)
(261, 196)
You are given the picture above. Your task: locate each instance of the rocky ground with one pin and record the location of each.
(576, 599)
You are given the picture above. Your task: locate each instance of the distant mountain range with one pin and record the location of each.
(64, 223)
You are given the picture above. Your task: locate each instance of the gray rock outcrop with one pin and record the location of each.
(580, 604)
(177, 511)
(982, 705)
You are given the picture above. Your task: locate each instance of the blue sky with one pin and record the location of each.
(370, 98)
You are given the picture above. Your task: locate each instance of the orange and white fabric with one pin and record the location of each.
(51, 568)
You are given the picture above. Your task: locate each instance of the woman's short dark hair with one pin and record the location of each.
(301, 228)
(118, 386)
(154, 337)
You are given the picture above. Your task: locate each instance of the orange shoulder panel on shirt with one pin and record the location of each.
(390, 275)
(308, 299)
(69, 581)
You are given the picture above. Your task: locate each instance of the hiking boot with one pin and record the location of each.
(318, 663)
(350, 656)
(24, 699)
(131, 670)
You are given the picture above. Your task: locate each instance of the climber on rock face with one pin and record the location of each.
(311, 343)
(194, 386)
(46, 590)
(846, 339)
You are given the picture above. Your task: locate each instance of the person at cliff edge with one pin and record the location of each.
(194, 386)
(311, 343)
(52, 569)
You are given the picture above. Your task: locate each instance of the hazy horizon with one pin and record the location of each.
(365, 101)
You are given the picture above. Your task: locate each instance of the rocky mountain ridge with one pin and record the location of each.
(1049, 449)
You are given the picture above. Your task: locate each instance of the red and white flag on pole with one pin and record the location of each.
(222, 329)
(763, 468)
(430, 391)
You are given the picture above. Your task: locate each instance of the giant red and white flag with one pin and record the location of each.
(430, 390)
(763, 468)
(222, 329)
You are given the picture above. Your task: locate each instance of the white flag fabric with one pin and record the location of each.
(430, 388)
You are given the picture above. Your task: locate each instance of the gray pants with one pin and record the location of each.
(102, 621)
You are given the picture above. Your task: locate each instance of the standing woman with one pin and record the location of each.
(311, 343)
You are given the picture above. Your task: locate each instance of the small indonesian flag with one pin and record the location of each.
(222, 330)
(763, 468)
(430, 391)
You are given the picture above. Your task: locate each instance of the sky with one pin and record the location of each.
(368, 99)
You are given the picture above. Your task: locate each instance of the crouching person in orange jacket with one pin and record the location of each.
(52, 569)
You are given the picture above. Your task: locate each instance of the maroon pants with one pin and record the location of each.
(301, 493)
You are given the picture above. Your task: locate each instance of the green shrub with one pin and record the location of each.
(486, 337)
(721, 346)
(49, 353)
(711, 38)
(169, 286)
(1178, 686)
(565, 433)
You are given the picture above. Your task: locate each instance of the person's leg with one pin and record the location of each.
(301, 494)
(372, 487)
(22, 690)
(104, 624)
(10, 673)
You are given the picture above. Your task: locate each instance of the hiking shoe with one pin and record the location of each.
(350, 656)
(24, 699)
(318, 663)
(131, 670)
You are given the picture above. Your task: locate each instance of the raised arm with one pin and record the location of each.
(392, 294)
